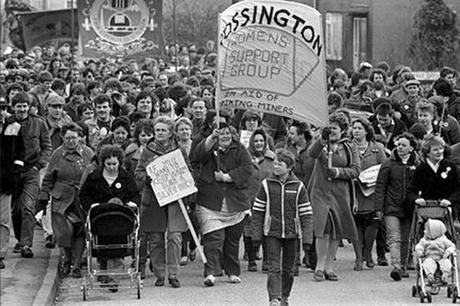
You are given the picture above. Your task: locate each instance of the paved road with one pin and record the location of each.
(22, 277)
(368, 287)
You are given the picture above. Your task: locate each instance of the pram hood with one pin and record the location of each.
(436, 228)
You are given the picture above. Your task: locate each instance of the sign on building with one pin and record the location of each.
(171, 178)
(120, 28)
(271, 59)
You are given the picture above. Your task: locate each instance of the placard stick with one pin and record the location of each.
(192, 230)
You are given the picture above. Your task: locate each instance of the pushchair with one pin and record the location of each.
(111, 233)
(421, 214)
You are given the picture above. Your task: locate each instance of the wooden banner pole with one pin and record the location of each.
(192, 230)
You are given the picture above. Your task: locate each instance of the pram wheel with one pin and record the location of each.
(414, 291)
(428, 297)
(83, 289)
(454, 295)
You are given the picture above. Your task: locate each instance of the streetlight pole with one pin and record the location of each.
(72, 30)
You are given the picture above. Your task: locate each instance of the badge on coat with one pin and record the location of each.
(12, 129)
(118, 185)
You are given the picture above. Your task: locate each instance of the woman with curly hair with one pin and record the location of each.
(331, 192)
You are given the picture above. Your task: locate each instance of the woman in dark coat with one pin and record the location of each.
(110, 182)
(391, 188)
(156, 220)
(367, 217)
(223, 199)
(61, 183)
(332, 194)
(436, 178)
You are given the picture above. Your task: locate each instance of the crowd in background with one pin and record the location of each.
(79, 132)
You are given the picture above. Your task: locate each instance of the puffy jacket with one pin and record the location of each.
(434, 243)
(37, 142)
(282, 210)
(392, 184)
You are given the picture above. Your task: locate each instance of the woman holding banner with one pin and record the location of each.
(331, 192)
(156, 220)
(223, 200)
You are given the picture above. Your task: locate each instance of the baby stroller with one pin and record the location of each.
(111, 233)
(433, 210)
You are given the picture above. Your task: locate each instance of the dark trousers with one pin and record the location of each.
(281, 260)
(381, 240)
(251, 248)
(223, 243)
(367, 227)
(23, 207)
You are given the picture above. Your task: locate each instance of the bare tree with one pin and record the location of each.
(196, 20)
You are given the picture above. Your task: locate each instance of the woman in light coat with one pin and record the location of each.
(331, 193)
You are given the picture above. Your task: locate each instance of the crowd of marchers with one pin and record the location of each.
(76, 133)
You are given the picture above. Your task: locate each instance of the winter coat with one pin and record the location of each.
(62, 177)
(37, 142)
(374, 155)
(397, 127)
(455, 155)
(282, 210)
(55, 127)
(236, 162)
(430, 185)
(334, 196)
(263, 168)
(132, 156)
(450, 132)
(434, 243)
(453, 106)
(95, 189)
(11, 156)
(94, 135)
(392, 184)
(154, 218)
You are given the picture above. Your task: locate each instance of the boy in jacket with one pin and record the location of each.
(281, 212)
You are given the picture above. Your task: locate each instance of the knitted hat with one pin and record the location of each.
(54, 99)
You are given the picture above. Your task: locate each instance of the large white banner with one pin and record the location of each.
(171, 178)
(271, 59)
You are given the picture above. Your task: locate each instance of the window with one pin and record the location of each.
(69, 4)
(359, 41)
(334, 36)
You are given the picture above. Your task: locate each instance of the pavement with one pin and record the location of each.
(30, 281)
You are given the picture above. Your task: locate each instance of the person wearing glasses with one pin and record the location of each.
(61, 185)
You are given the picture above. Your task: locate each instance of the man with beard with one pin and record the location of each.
(37, 152)
(379, 78)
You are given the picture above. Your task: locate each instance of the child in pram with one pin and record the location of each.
(434, 249)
